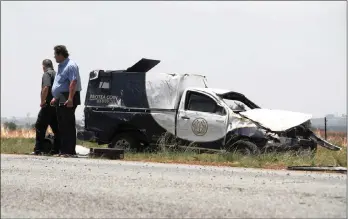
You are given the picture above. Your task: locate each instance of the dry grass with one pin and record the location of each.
(338, 138)
(323, 157)
(22, 141)
(20, 133)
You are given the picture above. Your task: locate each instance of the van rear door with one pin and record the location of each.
(143, 65)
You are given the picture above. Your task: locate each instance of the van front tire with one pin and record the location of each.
(244, 147)
(126, 142)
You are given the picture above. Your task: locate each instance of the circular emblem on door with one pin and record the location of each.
(199, 126)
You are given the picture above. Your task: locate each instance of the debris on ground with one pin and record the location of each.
(311, 168)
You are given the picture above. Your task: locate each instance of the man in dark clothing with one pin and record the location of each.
(47, 115)
(66, 97)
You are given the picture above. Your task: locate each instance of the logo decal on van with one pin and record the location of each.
(108, 99)
(199, 126)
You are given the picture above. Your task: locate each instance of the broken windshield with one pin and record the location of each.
(236, 105)
(238, 102)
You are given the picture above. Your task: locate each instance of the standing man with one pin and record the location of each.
(66, 97)
(47, 115)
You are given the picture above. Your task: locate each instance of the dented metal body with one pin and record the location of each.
(145, 105)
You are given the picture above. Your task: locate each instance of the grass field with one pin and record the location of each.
(22, 142)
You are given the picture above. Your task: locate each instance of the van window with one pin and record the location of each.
(200, 102)
(104, 84)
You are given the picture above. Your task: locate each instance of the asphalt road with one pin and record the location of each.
(50, 187)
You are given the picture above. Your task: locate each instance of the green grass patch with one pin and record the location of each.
(26, 145)
(17, 145)
(323, 157)
(271, 160)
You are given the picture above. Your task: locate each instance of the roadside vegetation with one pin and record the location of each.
(22, 142)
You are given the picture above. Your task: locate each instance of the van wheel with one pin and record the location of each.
(125, 141)
(244, 147)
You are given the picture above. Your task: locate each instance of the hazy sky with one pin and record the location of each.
(282, 55)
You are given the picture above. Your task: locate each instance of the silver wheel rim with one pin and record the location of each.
(122, 143)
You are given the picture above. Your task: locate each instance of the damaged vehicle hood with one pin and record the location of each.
(276, 120)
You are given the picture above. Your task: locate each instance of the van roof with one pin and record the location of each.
(211, 90)
(96, 72)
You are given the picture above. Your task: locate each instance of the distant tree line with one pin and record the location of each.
(10, 126)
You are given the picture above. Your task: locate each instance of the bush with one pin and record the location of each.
(10, 126)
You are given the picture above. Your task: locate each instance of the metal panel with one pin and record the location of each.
(143, 65)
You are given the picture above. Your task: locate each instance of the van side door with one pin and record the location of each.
(201, 120)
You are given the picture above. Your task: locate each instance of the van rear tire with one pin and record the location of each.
(125, 141)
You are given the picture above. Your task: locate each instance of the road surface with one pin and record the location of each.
(49, 187)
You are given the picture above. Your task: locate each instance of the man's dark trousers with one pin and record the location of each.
(47, 117)
(67, 128)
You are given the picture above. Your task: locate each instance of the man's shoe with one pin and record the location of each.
(52, 153)
(68, 155)
(36, 153)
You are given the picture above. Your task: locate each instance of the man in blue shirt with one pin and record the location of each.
(66, 97)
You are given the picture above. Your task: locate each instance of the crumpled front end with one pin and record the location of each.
(324, 143)
(277, 130)
(298, 138)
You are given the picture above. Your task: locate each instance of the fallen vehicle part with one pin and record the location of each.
(110, 153)
(323, 142)
(311, 168)
(131, 109)
(82, 151)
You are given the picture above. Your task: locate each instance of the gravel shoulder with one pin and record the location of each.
(46, 187)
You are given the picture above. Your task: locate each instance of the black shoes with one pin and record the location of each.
(68, 155)
(52, 153)
(38, 153)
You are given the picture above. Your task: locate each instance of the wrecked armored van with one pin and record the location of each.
(133, 109)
